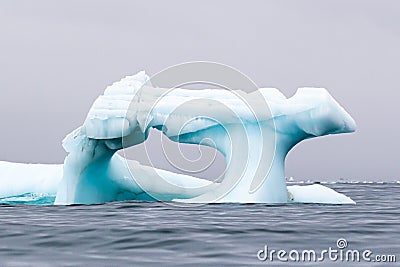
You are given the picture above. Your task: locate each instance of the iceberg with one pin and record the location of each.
(253, 131)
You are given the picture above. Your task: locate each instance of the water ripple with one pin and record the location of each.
(154, 234)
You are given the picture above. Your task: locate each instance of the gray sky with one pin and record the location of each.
(56, 57)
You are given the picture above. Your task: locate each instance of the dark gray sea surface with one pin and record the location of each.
(163, 234)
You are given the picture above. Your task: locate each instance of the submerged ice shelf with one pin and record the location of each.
(254, 131)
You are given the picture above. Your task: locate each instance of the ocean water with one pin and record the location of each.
(162, 234)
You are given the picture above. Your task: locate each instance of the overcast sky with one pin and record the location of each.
(56, 57)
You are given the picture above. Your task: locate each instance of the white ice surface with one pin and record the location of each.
(317, 193)
(20, 178)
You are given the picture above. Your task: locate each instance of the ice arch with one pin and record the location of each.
(94, 173)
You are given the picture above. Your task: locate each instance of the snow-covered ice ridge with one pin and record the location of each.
(271, 123)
